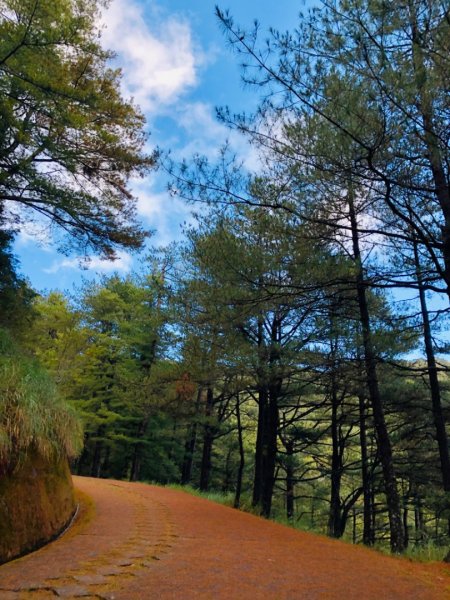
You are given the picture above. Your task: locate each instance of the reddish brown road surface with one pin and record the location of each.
(143, 542)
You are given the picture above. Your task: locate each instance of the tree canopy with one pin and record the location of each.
(68, 141)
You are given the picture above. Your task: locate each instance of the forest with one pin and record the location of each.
(290, 351)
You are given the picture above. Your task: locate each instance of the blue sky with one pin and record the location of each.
(178, 68)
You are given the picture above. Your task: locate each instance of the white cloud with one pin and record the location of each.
(122, 264)
(207, 135)
(32, 233)
(163, 213)
(159, 62)
(198, 118)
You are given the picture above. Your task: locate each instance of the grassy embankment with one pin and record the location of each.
(38, 432)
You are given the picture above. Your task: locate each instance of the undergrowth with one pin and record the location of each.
(225, 498)
(32, 415)
(426, 552)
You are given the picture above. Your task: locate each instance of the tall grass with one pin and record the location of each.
(32, 415)
(426, 552)
(226, 498)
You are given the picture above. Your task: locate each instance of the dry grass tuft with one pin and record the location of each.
(31, 412)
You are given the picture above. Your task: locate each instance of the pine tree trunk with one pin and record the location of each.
(374, 514)
(270, 453)
(272, 420)
(96, 460)
(227, 474)
(418, 519)
(290, 492)
(334, 519)
(260, 436)
(405, 521)
(205, 471)
(438, 415)
(354, 525)
(262, 415)
(208, 438)
(266, 442)
(384, 443)
(136, 460)
(135, 463)
(189, 447)
(368, 534)
(237, 497)
(106, 461)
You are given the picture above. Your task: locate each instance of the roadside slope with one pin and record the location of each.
(145, 542)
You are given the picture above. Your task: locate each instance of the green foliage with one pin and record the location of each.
(105, 355)
(15, 294)
(32, 414)
(56, 337)
(68, 141)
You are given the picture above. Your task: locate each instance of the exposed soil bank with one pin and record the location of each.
(36, 503)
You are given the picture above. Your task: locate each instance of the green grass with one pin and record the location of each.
(32, 415)
(423, 552)
(427, 552)
(227, 499)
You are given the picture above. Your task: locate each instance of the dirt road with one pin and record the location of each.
(134, 541)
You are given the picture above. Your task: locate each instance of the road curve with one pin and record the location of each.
(134, 541)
